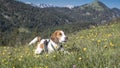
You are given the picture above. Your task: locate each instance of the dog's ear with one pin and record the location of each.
(54, 37)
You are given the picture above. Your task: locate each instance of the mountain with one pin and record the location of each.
(96, 12)
(20, 22)
(24, 15)
(96, 5)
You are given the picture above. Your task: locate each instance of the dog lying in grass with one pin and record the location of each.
(52, 44)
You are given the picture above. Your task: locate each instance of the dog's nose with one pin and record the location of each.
(66, 38)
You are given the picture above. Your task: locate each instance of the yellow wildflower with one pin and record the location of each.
(15, 49)
(79, 58)
(46, 55)
(3, 53)
(98, 41)
(46, 66)
(111, 44)
(54, 56)
(21, 56)
(81, 37)
(13, 67)
(19, 59)
(109, 35)
(84, 49)
(92, 39)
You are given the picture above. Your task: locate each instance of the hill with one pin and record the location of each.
(19, 22)
(96, 12)
(96, 47)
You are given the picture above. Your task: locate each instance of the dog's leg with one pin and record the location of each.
(38, 51)
(40, 47)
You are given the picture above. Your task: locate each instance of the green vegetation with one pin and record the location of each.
(97, 47)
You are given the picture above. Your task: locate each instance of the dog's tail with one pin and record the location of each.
(36, 39)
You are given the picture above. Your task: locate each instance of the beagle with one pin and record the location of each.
(52, 44)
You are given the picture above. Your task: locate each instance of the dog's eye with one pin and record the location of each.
(60, 33)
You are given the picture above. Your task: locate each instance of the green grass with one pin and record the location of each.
(98, 47)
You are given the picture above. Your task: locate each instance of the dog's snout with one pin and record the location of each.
(66, 38)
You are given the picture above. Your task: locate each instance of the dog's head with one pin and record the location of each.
(59, 36)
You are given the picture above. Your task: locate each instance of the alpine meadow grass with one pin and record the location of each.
(97, 47)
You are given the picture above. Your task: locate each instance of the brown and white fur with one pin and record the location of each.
(54, 43)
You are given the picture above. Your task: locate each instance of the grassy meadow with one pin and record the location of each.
(97, 47)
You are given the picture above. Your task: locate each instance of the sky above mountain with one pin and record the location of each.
(71, 3)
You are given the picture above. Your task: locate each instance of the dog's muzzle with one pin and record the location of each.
(66, 38)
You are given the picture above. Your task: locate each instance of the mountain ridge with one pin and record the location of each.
(97, 11)
(21, 21)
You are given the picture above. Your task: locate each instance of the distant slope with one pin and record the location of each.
(19, 22)
(25, 15)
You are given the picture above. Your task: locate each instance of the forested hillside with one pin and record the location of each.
(20, 22)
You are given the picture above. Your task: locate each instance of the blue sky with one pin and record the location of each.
(63, 3)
